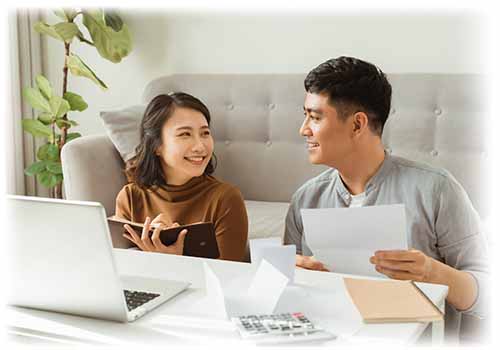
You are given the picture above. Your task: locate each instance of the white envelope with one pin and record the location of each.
(263, 295)
(344, 239)
(282, 257)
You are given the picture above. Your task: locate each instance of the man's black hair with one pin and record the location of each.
(353, 85)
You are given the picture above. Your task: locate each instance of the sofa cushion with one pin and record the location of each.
(122, 127)
(266, 219)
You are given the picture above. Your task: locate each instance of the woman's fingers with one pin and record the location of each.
(179, 244)
(155, 238)
(133, 236)
(146, 241)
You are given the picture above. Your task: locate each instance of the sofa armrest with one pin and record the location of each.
(93, 171)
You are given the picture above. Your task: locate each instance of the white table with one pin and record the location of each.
(320, 295)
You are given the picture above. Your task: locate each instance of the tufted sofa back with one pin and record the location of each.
(435, 118)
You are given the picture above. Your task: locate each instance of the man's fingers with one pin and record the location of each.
(398, 275)
(401, 255)
(398, 265)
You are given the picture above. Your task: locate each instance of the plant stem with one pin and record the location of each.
(64, 130)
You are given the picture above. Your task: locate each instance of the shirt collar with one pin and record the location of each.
(373, 183)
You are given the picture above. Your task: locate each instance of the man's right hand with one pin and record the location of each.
(309, 263)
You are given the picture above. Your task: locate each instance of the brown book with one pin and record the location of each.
(385, 301)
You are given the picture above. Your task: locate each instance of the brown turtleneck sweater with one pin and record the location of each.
(202, 198)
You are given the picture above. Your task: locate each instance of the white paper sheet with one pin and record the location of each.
(215, 293)
(262, 296)
(344, 238)
(280, 256)
(266, 289)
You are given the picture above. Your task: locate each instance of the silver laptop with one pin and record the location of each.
(61, 260)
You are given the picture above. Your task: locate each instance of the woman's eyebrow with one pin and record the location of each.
(191, 128)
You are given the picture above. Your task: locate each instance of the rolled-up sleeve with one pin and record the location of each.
(461, 242)
(294, 229)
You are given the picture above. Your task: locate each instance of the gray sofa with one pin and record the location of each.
(437, 119)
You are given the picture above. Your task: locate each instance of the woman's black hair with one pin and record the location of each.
(145, 169)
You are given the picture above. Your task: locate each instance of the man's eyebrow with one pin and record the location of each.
(315, 110)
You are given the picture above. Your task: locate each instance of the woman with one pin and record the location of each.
(170, 180)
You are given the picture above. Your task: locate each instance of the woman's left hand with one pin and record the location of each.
(403, 264)
(153, 243)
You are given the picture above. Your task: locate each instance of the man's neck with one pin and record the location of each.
(360, 169)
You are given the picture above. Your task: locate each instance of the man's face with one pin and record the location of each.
(328, 138)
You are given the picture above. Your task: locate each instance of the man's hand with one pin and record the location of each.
(404, 264)
(309, 263)
(153, 243)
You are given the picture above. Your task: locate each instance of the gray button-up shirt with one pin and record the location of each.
(441, 221)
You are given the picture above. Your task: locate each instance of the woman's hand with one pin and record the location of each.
(404, 264)
(163, 220)
(153, 243)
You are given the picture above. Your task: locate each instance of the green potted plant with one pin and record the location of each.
(110, 36)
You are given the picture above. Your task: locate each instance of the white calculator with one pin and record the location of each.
(279, 328)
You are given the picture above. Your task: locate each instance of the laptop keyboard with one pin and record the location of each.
(135, 298)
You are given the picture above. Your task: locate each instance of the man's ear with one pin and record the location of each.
(359, 123)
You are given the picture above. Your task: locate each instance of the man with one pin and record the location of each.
(346, 105)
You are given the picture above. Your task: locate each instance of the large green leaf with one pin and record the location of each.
(35, 168)
(61, 123)
(59, 106)
(76, 101)
(112, 45)
(49, 179)
(36, 99)
(72, 135)
(36, 128)
(79, 68)
(66, 14)
(45, 118)
(53, 153)
(112, 20)
(44, 86)
(54, 167)
(63, 31)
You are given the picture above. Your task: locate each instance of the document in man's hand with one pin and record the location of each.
(344, 239)
(384, 301)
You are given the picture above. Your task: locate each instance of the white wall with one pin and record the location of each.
(166, 43)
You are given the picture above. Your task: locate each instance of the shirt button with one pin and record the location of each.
(393, 111)
(227, 143)
(269, 143)
(271, 106)
(230, 107)
(438, 111)
(434, 153)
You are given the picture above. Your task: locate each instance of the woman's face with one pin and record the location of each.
(187, 146)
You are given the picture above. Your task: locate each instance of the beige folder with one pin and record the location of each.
(383, 301)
